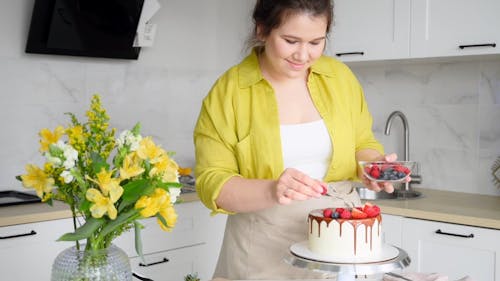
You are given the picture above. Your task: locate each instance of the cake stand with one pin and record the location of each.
(347, 271)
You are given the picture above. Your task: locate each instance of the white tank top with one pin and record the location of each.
(307, 147)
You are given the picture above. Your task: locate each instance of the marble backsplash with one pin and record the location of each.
(453, 106)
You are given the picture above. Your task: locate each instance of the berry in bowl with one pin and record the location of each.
(382, 171)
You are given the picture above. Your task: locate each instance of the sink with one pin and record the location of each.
(367, 194)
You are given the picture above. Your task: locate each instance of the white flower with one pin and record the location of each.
(70, 155)
(174, 193)
(128, 138)
(56, 161)
(67, 176)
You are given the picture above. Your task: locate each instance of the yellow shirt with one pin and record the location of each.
(238, 129)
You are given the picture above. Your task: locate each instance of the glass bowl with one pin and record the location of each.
(382, 171)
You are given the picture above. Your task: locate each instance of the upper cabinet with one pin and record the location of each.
(400, 29)
(370, 30)
(454, 28)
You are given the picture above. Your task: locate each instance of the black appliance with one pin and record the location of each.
(92, 28)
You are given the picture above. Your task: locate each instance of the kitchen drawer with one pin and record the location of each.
(30, 257)
(170, 265)
(452, 249)
(35, 233)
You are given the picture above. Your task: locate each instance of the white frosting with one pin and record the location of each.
(336, 238)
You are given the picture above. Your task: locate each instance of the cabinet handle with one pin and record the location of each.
(454, 234)
(19, 235)
(493, 45)
(164, 260)
(141, 277)
(349, 53)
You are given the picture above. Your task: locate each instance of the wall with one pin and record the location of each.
(452, 107)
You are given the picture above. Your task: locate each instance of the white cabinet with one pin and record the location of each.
(170, 265)
(192, 246)
(451, 249)
(386, 29)
(370, 30)
(28, 250)
(391, 229)
(454, 28)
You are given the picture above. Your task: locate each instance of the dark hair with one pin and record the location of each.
(269, 14)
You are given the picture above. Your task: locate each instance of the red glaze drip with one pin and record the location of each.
(317, 215)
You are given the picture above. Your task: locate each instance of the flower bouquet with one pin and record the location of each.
(109, 183)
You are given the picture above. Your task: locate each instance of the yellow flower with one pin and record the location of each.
(47, 137)
(151, 205)
(102, 204)
(109, 186)
(37, 179)
(76, 136)
(131, 167)
(167, 168)
(170, 216)
(148, 150)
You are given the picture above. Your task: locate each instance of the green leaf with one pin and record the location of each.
(135, 189)
(167, 185)
(138, 240)
(122, 218)
(19, 178)
(98, 163)
(83, 232)
(137, 129)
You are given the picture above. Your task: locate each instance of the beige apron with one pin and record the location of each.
(255, 244)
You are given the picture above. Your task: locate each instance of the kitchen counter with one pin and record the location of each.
(446, 206)
(36, 212)
(453, 207)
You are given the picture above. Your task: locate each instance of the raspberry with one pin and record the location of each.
(375, 173)
(339, 210)
(327, 213)
(345, 214)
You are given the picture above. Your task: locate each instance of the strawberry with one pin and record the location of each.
(339, 210)
(358, 214)
(345, 214)
(327, 213)
(371, 210)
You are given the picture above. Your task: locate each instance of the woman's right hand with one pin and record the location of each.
(294, 185)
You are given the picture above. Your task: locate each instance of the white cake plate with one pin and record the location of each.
(392, 258)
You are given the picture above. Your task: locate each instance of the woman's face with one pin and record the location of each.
(291, 48)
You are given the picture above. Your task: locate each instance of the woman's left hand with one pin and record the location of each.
(379, 186)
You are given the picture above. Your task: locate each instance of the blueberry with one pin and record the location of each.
(335, 215)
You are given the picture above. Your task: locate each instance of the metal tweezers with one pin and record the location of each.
(398, 276)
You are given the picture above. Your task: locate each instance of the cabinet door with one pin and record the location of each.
(440, 27)
(452, 250)
(28, 250)
(370, 30)
(391, 229)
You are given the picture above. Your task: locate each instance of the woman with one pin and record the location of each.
(273, 131)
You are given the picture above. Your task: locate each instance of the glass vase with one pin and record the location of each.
(108, 264)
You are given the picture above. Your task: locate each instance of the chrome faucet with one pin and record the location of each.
(406, 130)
